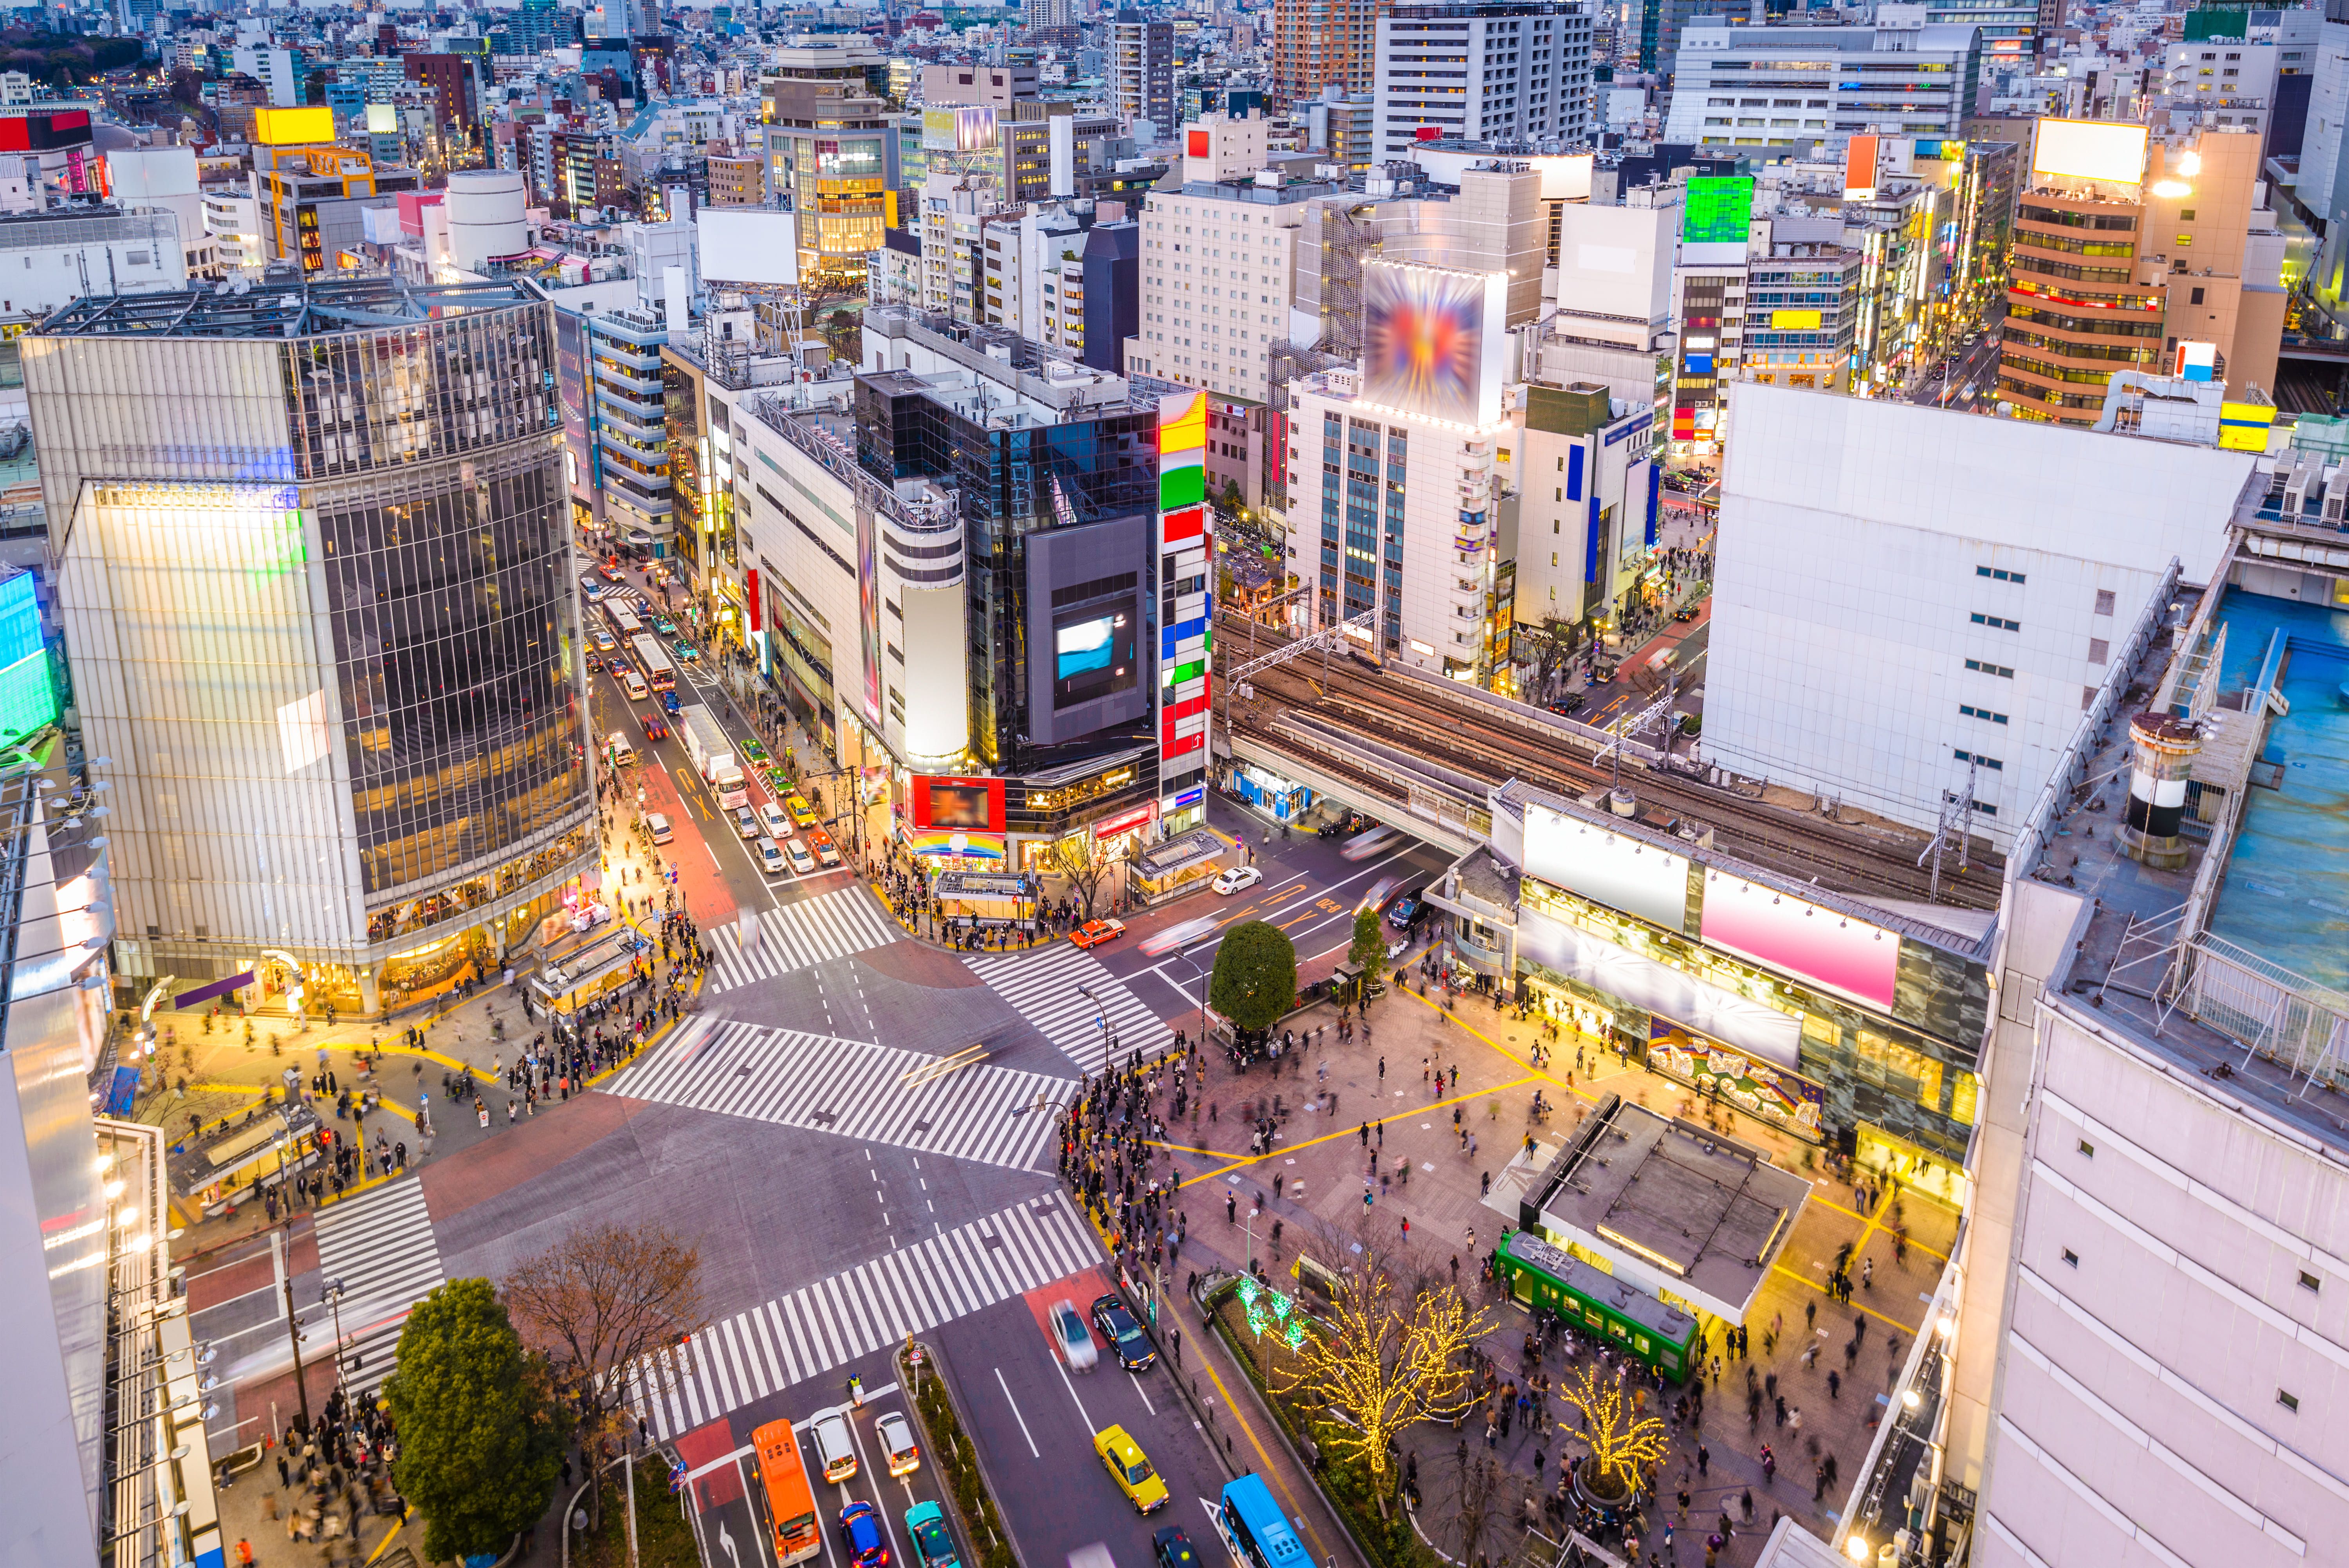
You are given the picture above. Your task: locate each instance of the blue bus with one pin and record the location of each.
(1253, 1527)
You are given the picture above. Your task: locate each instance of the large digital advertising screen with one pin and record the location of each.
(2090, 149)
(1432, 340)
(968, 128)
(958, 804)
(1718, 210)
(1610, 869)
(1094, 655)
(1803, 939)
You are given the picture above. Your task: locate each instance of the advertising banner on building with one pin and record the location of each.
(1432, 340)
(957, 805)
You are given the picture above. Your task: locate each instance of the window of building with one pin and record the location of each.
(2002, 623)
(1971, 712)
(2104, 601)
(2099, 650)
(1998, 575)
(1993, 764)
(1987, 668)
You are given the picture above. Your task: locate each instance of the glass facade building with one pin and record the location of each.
(314, 571)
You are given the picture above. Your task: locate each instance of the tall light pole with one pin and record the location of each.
(333, 1297)
(1188, 955)
(1101, 1016)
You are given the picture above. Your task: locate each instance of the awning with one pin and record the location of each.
(1704, 1008)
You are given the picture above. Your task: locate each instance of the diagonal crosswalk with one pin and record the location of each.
(1044, 987)
(856, 1313)
(833, 925)
(995, 1116)
(379, 1245)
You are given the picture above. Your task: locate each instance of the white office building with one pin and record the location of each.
(1511, 71)
(1789, 89)
(1889, 621)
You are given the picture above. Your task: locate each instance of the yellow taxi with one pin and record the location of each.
(802, 813)
(1131, 1469)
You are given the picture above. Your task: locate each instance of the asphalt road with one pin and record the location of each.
(1976, 366)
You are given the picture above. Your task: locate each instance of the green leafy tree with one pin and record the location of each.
(1369, 948)
(481, 1440)
(1255, 978)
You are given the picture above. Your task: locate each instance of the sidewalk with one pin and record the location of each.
(224, 1077)
(1314, 1181)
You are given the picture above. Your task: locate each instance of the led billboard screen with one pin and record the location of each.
(1432, 340)
(1802, 938)
(968, 128)
(292, 127)
(2090, 149)
(1718, 211)
(1608, 869)
(958, 804)
(1094, 655)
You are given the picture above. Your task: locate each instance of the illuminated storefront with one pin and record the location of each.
(1792, 1006)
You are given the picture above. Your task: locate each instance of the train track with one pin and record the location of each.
(1461, 738)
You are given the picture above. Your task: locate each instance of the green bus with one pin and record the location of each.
(1607, 1309)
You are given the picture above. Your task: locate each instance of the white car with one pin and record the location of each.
(802, 861)
(1234, 877)
(1071, 1338)
(897, 1435)
(777, 821)
(770, 858)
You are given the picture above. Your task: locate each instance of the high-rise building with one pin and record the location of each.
(1323, 44)
(376, 780)
(2157, 1165)
(1505, 71)
(1218, 268)
(1141, 70)
(2116, 267)
(1781, 89)
(831, 156)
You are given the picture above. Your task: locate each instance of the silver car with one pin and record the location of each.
(1071, 1337)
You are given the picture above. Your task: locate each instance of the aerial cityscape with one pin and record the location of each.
(709, 713)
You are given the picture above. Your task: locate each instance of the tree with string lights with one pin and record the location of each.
(1385, 1358)
(1621, 1440)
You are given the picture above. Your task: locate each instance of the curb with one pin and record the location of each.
(1288, 1446)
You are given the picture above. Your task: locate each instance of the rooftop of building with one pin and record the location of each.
(2234, 965)
(278, 307)
(1707, 1210)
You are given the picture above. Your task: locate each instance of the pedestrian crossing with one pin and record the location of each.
(379, 1244)
(1043, 987)
(834, 925)
(995, 1116)
(852, 1314)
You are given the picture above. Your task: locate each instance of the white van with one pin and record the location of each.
(633, 685)
(623, 755)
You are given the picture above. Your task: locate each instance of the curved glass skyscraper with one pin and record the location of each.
(314, 566)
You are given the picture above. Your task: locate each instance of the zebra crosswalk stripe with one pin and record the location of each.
(994, 1115)
(380, 1245)
(878, 1303)
(1043, 987)
(796, 936)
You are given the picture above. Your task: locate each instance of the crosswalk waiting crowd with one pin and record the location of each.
(1111, 1143)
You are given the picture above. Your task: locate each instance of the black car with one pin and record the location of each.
(1127, 1340)
(1565, 706)
(1173, 1548)
(1408, 910)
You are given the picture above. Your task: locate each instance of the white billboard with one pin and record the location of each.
(1435, 340)
(1622, 873)
(2090, 149)
(748, 244)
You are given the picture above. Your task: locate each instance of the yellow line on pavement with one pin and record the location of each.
(1272, 1473)
(383, 1545)
(1863, 1306)
(1242, 1162)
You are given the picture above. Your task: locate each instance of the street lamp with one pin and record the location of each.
(1101, 1016)
(333, 1296)
(1187, 954)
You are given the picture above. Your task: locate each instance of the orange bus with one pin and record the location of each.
(791, 1503)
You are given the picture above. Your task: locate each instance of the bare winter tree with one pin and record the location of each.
(1085, 862)
(608, 1305)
